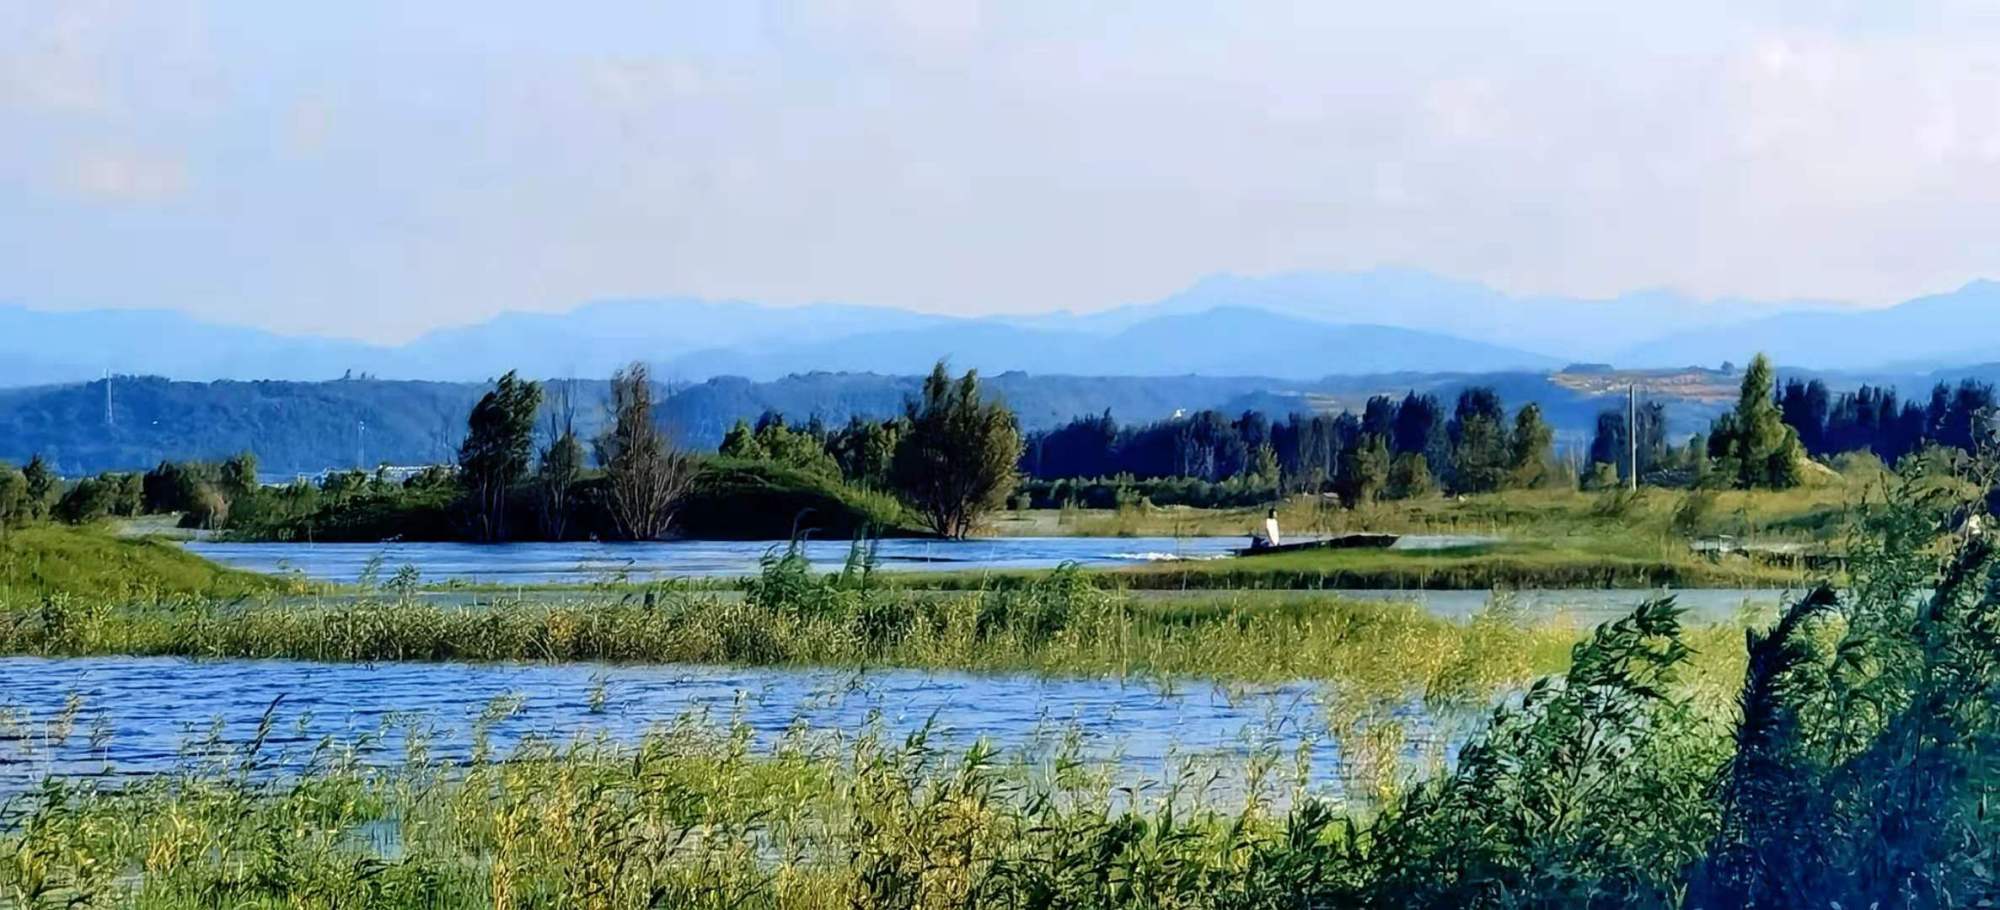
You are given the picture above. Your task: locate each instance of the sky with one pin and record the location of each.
(376, 169)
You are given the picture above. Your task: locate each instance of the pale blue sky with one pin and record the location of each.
(374, 169)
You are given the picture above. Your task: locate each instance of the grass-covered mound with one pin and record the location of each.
(93, 563)
(730, 499)
(735, 499)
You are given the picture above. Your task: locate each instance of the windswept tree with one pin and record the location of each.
(956, 461)
(499, 439)
(647, 477)
(561, 460)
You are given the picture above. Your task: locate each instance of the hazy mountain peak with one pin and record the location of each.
(1289, 324)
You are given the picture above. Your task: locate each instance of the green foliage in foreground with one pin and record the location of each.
(92, 564)
(1857, 771)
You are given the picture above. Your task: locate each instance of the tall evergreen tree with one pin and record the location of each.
(1479, 451)
(1530, 448)
(1757, 448)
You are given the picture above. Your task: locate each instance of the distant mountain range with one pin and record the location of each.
(1294, 326)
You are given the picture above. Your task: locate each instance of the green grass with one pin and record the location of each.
(96, 564)
(695, 815)
(1579, 563)
(1814, 512)
(1512, 564)
(1057, 626)
(751, 500)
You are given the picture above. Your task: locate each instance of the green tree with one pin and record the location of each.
(108, 495)
(208, 507)
(43, 487)
(957, 460)
(170, 487)
(1530, 448)
(1479, 455)
(499, 439)
(1260, 470)
(801, 449)
(741, 442)
(239, 474)
(560, 462)
(1756, 448)
(1363, 470)
(556, 475)
(647, 477)
(13, 497)
(865, 450)
(1410, 476)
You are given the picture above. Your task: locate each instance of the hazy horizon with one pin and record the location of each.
(376, 170)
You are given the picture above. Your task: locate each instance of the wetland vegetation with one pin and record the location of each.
(1845, 758)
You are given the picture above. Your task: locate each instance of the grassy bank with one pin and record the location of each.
(94, 563)
(1814, 512)
(1513, 564)
(1609, 787)
(1578, 563)
(1059, 624)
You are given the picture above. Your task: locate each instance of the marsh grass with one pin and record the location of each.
(94, 563)
(1817, 511)
(702, 814)
(690, 815)
(1061, 623)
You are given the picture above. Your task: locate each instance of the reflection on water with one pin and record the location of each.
(140, 715)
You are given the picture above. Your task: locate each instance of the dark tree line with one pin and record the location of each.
(1395, 447)
(1610, 445)
(1873, 419)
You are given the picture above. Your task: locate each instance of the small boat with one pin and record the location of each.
(1271, 542)
(1356, 541)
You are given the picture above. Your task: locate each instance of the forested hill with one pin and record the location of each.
(311, 426)
(292, 426)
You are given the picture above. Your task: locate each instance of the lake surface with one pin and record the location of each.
(578, 562)
(146, 715)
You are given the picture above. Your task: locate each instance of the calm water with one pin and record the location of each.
(569, 563)
(141, 715)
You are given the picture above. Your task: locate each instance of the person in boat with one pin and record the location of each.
(1268, 538)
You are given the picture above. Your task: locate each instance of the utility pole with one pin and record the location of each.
(360, 463)
(107, 399)
(1632, 430)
